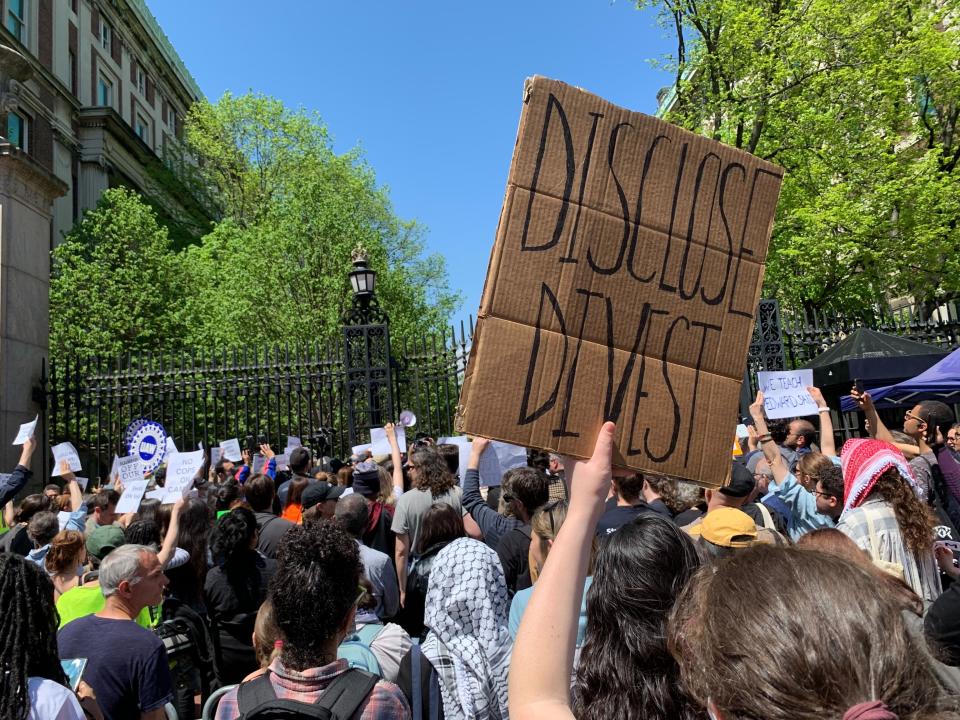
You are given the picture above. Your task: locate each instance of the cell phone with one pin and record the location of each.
(74, 670)
(858, 386)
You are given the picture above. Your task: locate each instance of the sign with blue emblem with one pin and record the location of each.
(147, 441)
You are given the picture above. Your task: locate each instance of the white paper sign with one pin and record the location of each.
(231, 450)
(215, 454)
(785, 393)
(742, 431)
(283, 461)
(292, 442)
(113, 468)
(130, 469)
(361, 450)
(65, 451)
(171, 446)
(380, 445)
(181, 470)
(26, 431)
(497, 459)
(82, 481)
(132, 495)
(465, 446)
(156, 494)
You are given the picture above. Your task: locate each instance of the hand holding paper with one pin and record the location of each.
(27, 431)
(65, 451)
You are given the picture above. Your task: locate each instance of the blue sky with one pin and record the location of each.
(430, 90)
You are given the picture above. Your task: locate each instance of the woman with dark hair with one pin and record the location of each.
(16, 539)
(819, 638)
(625, 668)
(234, 590)
(225, 496)
(441, 526)
(293, 511)
(33, 685)
(468, 642)
(193, 535)
(884, 515)
(432, 482)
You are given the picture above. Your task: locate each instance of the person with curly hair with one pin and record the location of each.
(884, 515)
(432, 482)
(234, 589)
(314, 594)
(28, 648)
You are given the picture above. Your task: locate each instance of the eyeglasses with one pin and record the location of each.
(914, 417)
(823, 494)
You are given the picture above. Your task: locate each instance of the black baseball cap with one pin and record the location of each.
(741, 482)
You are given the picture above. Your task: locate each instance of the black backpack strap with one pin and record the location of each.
(344, 696)
(254, 693)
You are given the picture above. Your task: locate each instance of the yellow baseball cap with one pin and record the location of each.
(727, 527)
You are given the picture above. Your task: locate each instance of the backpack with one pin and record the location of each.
(257, 700)
(182, 657)
(355, 649)
(943, 504)
(419, 681)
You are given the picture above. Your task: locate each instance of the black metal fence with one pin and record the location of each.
(243, 393)
(301, 391)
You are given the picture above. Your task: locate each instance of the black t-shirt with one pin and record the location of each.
(617, 516)
(126, 664)
(513, 551)
(272, 530)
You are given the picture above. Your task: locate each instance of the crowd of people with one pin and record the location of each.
(812, 584)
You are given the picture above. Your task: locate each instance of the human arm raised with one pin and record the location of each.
(21, 474)
(771, 452)
(169, 546)
(395, 458)
(828, 445)
(543, 654)
(876, 427)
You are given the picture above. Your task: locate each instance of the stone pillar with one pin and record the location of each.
(27, 192)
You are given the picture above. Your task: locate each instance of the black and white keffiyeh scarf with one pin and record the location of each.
(467, 610)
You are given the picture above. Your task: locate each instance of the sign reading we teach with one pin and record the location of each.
(622, 286)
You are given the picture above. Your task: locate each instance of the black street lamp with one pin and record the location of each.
(366, 357)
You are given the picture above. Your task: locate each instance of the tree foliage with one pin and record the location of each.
(273, 268)
(113, 281)
(860, 103)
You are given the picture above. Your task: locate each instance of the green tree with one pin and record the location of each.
(275, 268)
(113, 282)
(860, 103)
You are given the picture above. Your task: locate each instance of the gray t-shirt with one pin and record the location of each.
(411, 507)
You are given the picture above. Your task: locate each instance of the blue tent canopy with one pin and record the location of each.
(940, 382)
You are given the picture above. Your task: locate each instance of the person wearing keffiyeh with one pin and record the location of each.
(884, 515)
(468, 642)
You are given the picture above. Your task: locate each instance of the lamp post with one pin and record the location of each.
(366, 353)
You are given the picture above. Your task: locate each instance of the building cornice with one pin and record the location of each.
(24, 178)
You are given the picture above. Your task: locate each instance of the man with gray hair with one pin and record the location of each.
(126, 664)
(352, 513)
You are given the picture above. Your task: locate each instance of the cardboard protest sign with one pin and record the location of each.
(785, 393)
(181, 469)
(132, 495)
(380, 445)
(65, 451)
(622, 286)
(497, 459)
(231, 450)
(26, 431)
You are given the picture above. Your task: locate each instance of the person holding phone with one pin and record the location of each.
(28, 650)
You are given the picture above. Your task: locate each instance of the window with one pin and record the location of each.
(16, 12)
(142, 128)
(141, 81)
(104, 91)
(106, 36)
(73, 72)
(172, 119)
(17, 130)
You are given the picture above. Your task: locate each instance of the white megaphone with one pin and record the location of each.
(407, 418)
